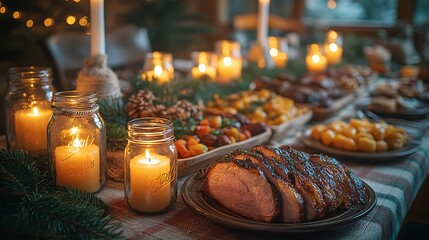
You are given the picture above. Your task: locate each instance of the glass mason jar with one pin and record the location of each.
(158, 66)
(77, 142)
(204, 65)
(150, 165)
(230, 62)
(333, 47)
(316, 58)
(28, 108)
(278, 50)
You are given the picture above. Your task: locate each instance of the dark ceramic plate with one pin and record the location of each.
(410, 148)
(419, 112)
(211, 209)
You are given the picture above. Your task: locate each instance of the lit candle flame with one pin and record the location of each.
(157, 70)
(202, 67)
(227, 61)
(333, 47)
(148, 156)
(274, 52)
(315, 58)
(73, 130)
(35, 111)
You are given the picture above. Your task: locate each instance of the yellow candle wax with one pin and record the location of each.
(78, 167)
(150, 182)
(334, 53)
(31, 128)
(316, 63)
(159, 74)
(203, 70)
(229, 69)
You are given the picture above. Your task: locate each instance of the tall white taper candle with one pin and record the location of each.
(97, 28)
(263, 13)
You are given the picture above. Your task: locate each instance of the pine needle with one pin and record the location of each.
(31, 208)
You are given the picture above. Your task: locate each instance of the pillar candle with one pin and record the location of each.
(77, 165)
(97, 27)
(150, 182)
(31, 128)
(316, 60)
(316, 63)
(334, 53)
(228, 69)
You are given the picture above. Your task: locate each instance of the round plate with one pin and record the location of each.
(418, 113)
(211, 209)
(409, 148)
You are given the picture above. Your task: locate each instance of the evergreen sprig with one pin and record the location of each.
(32, 208)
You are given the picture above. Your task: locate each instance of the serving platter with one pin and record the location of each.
(191, 164)
(211, 209)
(410, 147)
(419, 112)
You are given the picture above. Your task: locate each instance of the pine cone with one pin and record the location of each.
(182, 110)
(141, 104)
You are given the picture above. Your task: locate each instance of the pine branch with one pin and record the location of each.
(74, 196)
(31, 208)
(81, 220)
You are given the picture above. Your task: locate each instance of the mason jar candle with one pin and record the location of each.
(278, 51)
(77, 142)
(316, 59)
(333, 47)
(28, 108)
(150, 165)
(204, 65)
(230, 62)
(158, 67)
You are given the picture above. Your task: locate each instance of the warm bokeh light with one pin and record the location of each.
(274, 52)
(202, 67)
(332, 35)
(157, 70)
(16, 15)
(333, 47)
(2, 9)
(315, 58)
(76, 1)
(48, 22)
(227, 61)
(29, 23)
(331, 4)
(71, 20)
(83, 21)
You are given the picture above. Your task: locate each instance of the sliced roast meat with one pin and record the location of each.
(242, 187)
(292, 203)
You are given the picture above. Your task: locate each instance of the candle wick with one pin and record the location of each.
(150, 159)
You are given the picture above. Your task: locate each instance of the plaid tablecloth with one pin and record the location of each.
(395, 183)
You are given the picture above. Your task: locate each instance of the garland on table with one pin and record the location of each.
(32, 207)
